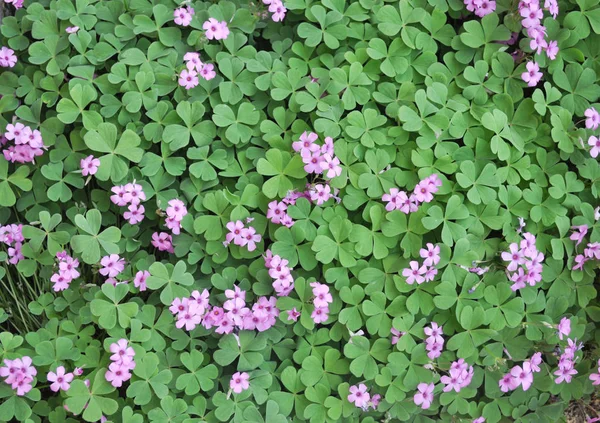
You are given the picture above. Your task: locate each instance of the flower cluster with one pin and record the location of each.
(139, 281)
(592, 250)
(234, 314)
(521, 375)
(163, 241)
(183, 15)
(322, 299)
(532, 14)
(242, 236)
(215, 30)
(318, 159)
(480, 7)
(423, 193)
(459, 376)
(188, 78)
(12, 236)
(123, 362)
(524, 262)
(61, 380)
(112, 266)
(277, 214)
(176, 211)
(426, 272)
(434, 343)
(283, 281)
(19, 374)
(89, 165)
(240, 381)
(8, 59)
(315, 193)
(362, 399)
(566, 363)
(277, 9)
(130, 195)
(67, 271)
(28, 143)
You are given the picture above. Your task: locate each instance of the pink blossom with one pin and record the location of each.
(182, 16)
(7, 57)
(293, 314)
(163, 241)
(117, 374)
(565, 374)
(250, 238)
(112, 265)
(522, 375)
(60, 379)
(312, 161)
(188, 79)
(424, 396)
(140, 279)
(208, 72)
(552, 50)
(396, 335)
(72, 29)
(431, 254)
(564, 328)
(239, 382)
(515, 257)
(331, 165)
(322, 296)
(68, 267)
(135, 214)
(533, 74)
(307, 142)
(320, 314)
(89, 165)
(359, 395)
(320, 194)
(122, 352)
(415, 273)
(578, 234)
(508, 383)
(176, 209)
(278, 11)
(276, 211)
(215, 30)
(592, 120)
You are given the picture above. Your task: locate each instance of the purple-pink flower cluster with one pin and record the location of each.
(277, 9)
(459, 376)
(434, 343)
(566, 362)
(19, 374)
(176, 211)
(12, 236)
(242, 236)
(524, 263)
(61, 380)
(234, 314)
(183, 15)
(322, 299)
(521, 375)
(67, 271)
(423, 193)
(130, 195)
(592, 121)
(188, 78)
(283, 281)
(362, 399)
(426, 272)
(123, 362)
(163, 241)
(28, 143)
(8, 59)
(592, 250)
(480, 7)
(277, 214)
(112, 266)
(318, 159)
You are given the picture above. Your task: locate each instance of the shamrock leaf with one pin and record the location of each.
(148, 380)
(92, 401)
(18, 179)
(170, 278)
(109, 312)
(88, 244)
(199, 377)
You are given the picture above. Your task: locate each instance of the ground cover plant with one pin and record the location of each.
(323, 211)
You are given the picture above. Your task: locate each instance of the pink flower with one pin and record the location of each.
(485, 8)
(60, 379)
(434, 348)
(135, 214)
(235, 232)
(188, 79)
(89, 165)
(307, 142)
(515, 257)
(479, 420)
(312, 161)
(423, 192)
(276, 211)
(592, 120)
(293, 314)
(434, 332)
(15, 131)
(396, 335)
(193, 62)
(565, 374)
(331, 165)
(78, 371)
(535, 361)
(320, 194)
(117, 374)
(68, 267)
(424, 397)
(140, 279)
(320, 314)
(278, 11)
(122, 352)
(7, 57)
(533, 74)
(72, 29)
(112, 265)
(322, 296)
(239, 382)
(431, 254)
(163, 241)
(453, 381)
(182, 16)
(552, 50)
(250, 238)
(564, 328)
(359, 395)
(208, 72)
(61, 281)
(176, 209)
(578, 234)
(415, 273)
(508, 383)
(190, 317)
(594, 142)
(215, 30)
(522, 375)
